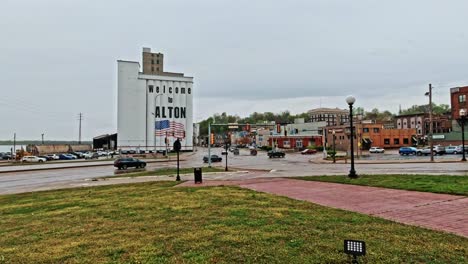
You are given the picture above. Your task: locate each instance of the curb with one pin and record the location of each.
(389, 162)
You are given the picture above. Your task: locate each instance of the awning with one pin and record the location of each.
(414, 138)
(367, 140)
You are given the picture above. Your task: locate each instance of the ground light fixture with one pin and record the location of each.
(355, 248)
(462, 122)
(350, 100)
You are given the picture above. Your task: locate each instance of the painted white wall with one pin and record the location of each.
(137, 108)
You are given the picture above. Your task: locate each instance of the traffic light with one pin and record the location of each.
(278, 128)
(212, 138)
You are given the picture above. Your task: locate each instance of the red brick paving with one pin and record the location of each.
(435, 211)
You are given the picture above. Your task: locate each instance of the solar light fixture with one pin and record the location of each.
(355, 248)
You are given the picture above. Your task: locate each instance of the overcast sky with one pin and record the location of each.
(58, 58)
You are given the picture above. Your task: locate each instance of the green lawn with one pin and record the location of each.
(156, 223)
(424, 183)
(166, 171)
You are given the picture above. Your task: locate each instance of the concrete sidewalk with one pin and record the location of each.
(441, 212)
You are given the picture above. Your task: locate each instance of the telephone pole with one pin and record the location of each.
(430, 124)
(42, 138)
(79, 135)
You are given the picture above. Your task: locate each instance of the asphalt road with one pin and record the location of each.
(293, 164)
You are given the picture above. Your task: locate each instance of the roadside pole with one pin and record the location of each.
(430, 123)
(209, 143)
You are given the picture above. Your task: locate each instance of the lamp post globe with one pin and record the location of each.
(462, 122)
(350, 100)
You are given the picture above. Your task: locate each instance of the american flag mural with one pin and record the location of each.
(170, 128)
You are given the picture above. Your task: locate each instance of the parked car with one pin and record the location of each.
(91, 155)
(46, 157)
(308, 151)
(125, 163)
(276, 154)
(437, 150)
(33, 159)
(376, 150)
(453, 149)
(66, 157)
(214, 158)
(407, 151)
(6, 156)
(466, 148)
(78, 154)
(53, 156)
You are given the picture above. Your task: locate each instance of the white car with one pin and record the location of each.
(376, 150)
(33, 159)
(53, 156)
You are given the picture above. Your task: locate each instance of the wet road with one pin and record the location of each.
(292, 165)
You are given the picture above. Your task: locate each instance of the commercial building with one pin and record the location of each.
(458, 100)
(155, 107)
(367, 135)
(332, 116)
(421, 122)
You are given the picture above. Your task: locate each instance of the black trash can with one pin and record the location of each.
(198, 175)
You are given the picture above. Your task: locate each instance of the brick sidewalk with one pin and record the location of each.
(442, 212)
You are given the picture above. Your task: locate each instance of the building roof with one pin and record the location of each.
(328, 110)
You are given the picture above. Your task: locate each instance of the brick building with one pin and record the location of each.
(295, 141)
(332, 116)
(421, 122)
(367, 135)
(458, 100)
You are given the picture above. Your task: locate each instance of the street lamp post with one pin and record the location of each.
(334, 146)
(350, 100)
(462, 122)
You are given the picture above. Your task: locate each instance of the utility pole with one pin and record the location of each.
(79, 135)
(13, 153)
(42, 138)
(430, 123)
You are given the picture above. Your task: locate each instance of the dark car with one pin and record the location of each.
(214, 158)
(308, 151)
(125, 163)
(46, 157)
(276, 154)
(65, 157)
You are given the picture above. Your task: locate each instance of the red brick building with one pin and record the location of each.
(458, 100)
(370, 135)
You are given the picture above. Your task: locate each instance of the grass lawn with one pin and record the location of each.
(156, 223)
(424, 183)
(166, 171)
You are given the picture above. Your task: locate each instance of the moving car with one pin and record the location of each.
(32, 159)
(407, 151)
(214, 158)
(308, 151)
(276, 154)
(125, 163)
(376, 150)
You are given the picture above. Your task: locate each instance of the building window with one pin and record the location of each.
(152, 68)
(462, 98)
(157, 89)
(365, 130)
(189, 91)
(150, 88)
(157, 61)
(182, 90)
(396, 141)
(386, 141)
(152, 61)
(376, 130)
(157, 69)
(177, 90)
(298, 143)
(405, 141)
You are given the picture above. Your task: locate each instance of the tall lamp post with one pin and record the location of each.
(334, 146)
(462, 122)
(350, 100)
